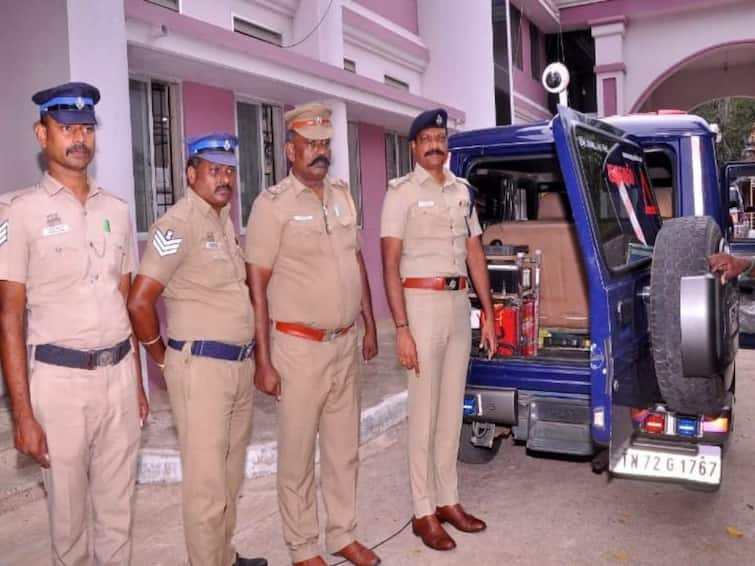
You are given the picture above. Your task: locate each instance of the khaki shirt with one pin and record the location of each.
(71, 258)
(311, 247)
(433, 221)
(194, 253)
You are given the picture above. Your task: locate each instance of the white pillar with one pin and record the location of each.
(97, 55)
(609, 65)
(325, 41)
(461, 70)
(339, 145)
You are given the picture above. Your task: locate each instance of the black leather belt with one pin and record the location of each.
(217, 350)
(82, 359)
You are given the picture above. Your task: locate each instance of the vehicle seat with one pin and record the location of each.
(563, 284)
(663, 196)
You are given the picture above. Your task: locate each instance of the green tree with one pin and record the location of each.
(735, 117)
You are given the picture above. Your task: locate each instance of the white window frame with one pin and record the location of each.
(235, 17)
(159, 4)
(179, 157)
(280, 146)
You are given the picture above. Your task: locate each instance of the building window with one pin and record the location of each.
(395, 83)
(261, 159)
(398, 160)
(257, 32)
(535, 57)
(156, 152)
(169, 4)
(349, 65)
(516, 37)
(355, 171)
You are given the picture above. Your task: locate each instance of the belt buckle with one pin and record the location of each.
(330, 335)
(451, 283)
(97, 359)
(246, 351)
(104, 358)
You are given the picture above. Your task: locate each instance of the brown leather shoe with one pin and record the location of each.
(432, 533)
(314, 561)
(459, 518)
(358, 554)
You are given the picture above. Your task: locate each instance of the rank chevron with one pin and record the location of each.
(166, 244)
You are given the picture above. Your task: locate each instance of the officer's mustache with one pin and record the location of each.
(320, 159)
(430, 152)
(78, 148)
(225, 187)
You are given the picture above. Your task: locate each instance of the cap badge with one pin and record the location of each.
(439, 120)
(318, 120)
(227, 145)
(79, 103)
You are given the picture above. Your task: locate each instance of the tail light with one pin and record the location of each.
(655, 423)
(713, 424)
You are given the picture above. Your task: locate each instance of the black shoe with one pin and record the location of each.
(250, 561)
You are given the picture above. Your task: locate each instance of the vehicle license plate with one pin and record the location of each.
(705, 467)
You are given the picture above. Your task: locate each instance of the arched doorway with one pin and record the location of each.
(717, 72)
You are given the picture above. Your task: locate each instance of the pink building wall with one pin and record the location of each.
(210, 109)
(372, 165)
(524, 83)
(400, 12)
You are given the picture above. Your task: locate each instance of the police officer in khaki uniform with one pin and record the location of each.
(66, 257)
(429, 234)
(308, 287)
(194, 257)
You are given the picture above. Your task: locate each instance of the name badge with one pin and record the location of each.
(425, 203)
(303, 218)
(56, 229)
(212, 245)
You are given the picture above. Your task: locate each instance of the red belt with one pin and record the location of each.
(436, 283)
(316, 334)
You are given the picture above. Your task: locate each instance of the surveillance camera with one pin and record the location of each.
(555, 78)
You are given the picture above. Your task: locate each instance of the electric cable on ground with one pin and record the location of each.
(394, 535)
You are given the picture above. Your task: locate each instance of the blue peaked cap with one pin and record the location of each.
(437, 118)
(69, 103)
(216, 147)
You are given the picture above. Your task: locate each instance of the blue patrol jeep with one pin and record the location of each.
(616, 341)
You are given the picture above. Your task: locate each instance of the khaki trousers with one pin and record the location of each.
(319, 393)
(212, 408)
(439, 322)
(91, 419)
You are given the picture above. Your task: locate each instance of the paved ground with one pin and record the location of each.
(540, 511)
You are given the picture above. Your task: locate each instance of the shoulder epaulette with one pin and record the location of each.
(278, 189)
(7, 198)
(398, 181)
(339, 184)
(116, 197)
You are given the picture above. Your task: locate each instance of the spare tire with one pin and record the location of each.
(681, 249)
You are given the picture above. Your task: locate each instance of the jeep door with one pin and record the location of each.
(617, 220)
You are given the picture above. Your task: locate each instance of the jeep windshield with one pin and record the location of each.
(622, 205)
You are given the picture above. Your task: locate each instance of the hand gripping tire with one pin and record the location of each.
(681, 249)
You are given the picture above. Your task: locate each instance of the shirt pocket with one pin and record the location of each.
(345, 226)
(429, 219)
(303, 234)
(459, 213)
(57, 262)
(115, 253)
